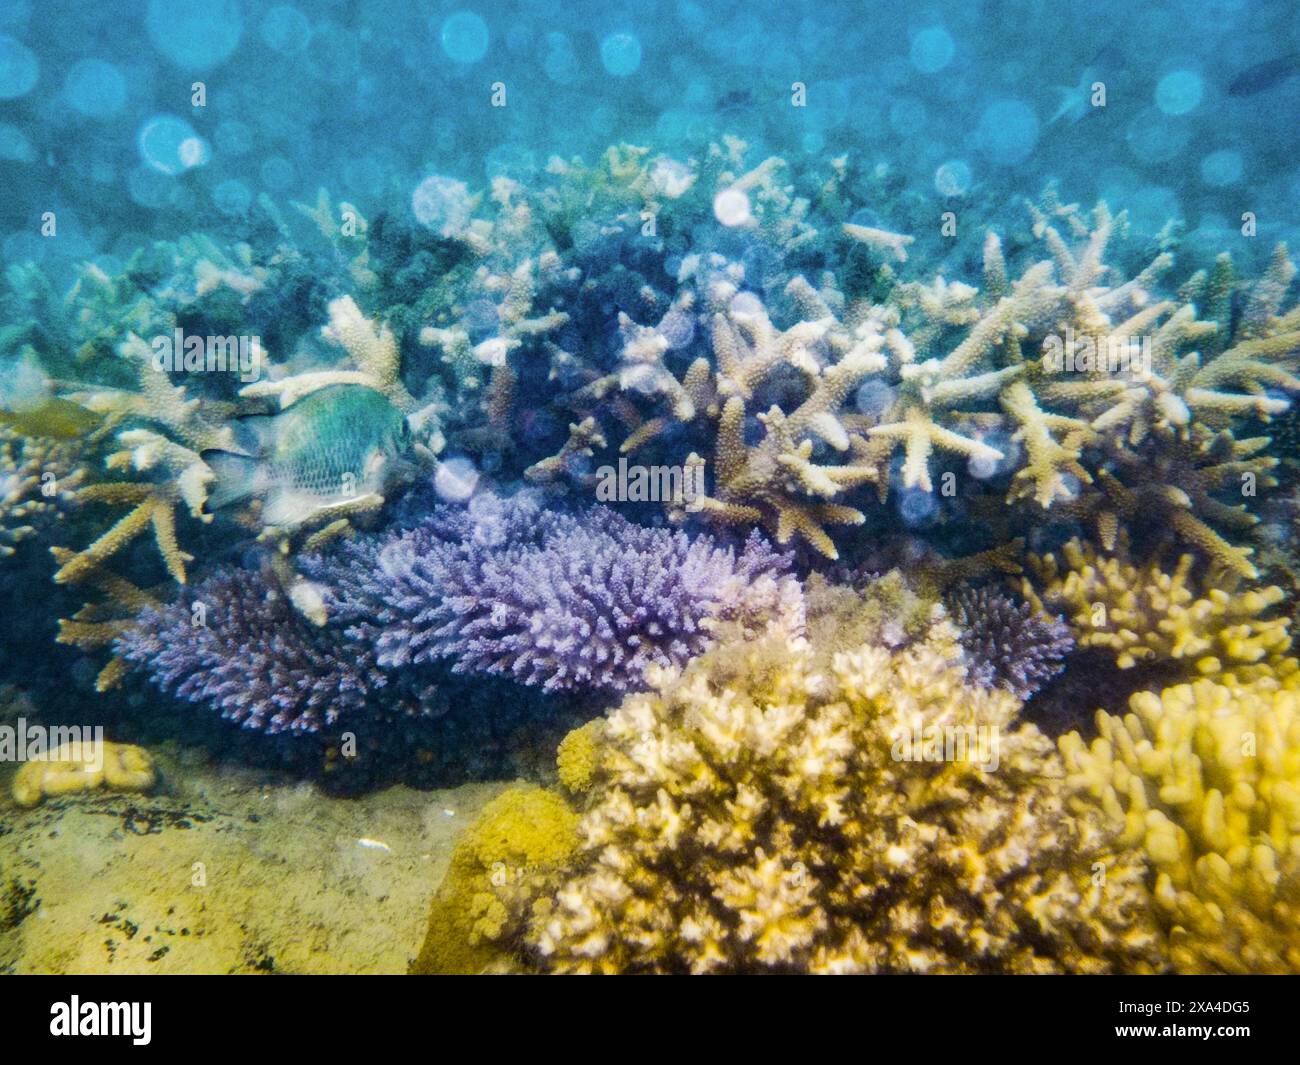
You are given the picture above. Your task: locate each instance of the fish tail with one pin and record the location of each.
(236, 477)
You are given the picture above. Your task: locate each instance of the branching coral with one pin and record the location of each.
(1145, 613)
(1008, 644)
(237, 645)
(1202, 782)
(37, 481)
(771, 808)
(555, 600)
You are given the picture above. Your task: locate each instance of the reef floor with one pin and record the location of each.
(224, 870)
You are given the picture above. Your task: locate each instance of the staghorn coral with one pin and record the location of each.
(37, 481)
(1201, 782)
(75, 767)
(1007, 643)
(1143, 613)
(760, 811)
(561, 601)
(238, 645)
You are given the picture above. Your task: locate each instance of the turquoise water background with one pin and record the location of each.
(973, 102)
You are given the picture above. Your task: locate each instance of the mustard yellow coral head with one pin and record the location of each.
(1202, 784)
(753, 813)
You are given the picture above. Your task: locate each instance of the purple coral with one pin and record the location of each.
(1007, 643)
(563, 601)
(236, 644)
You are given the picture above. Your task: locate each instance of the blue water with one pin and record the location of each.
(965, 103)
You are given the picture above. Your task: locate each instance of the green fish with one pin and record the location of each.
(332, 446)
(53, 417)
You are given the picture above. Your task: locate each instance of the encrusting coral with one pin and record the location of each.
(76, 767)
(1202, 783)
(776, 808)
(513, 851)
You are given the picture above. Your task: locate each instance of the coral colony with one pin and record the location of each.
(602, 440)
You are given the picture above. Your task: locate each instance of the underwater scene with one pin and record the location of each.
(649, 486)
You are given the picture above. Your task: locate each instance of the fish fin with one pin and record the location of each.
(254, 433)
(289, 509)
(236, 477)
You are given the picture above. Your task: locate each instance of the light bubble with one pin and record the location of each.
(455, 479)
(1007, 131)
(285, 29)
(19, 69)
(731, 207)
(983, 466)
(953, 178)
(1222, 168)
(620, 53)
(678, 328)
(170, 145)
(915, 506)
(932, 50)
(195, 34)
(464, 37)
(95, 88)
(232, 198)
(560, 64)
(906, 115)
(148, 187)
(14, 145)
(443, 204)
(1179, 92)
(193, 152)
(874, 398)
(277, 173)
(746, 303)
(233, 138)
(1153, 138)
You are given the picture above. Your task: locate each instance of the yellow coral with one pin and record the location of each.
(776, 807)
(1146, 614)
(510, 852)
(578, 755)
(1203, 782)
(77, 767)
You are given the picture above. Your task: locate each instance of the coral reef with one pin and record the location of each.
(1201, 783)
(513, 851)
(578, 756)
(76, 767)
(583, 601)
(1146, 613)
(1007, 644)
(237, 644)
(37, 481)
(765, 810)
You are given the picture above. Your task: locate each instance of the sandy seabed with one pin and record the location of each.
(224, 870)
